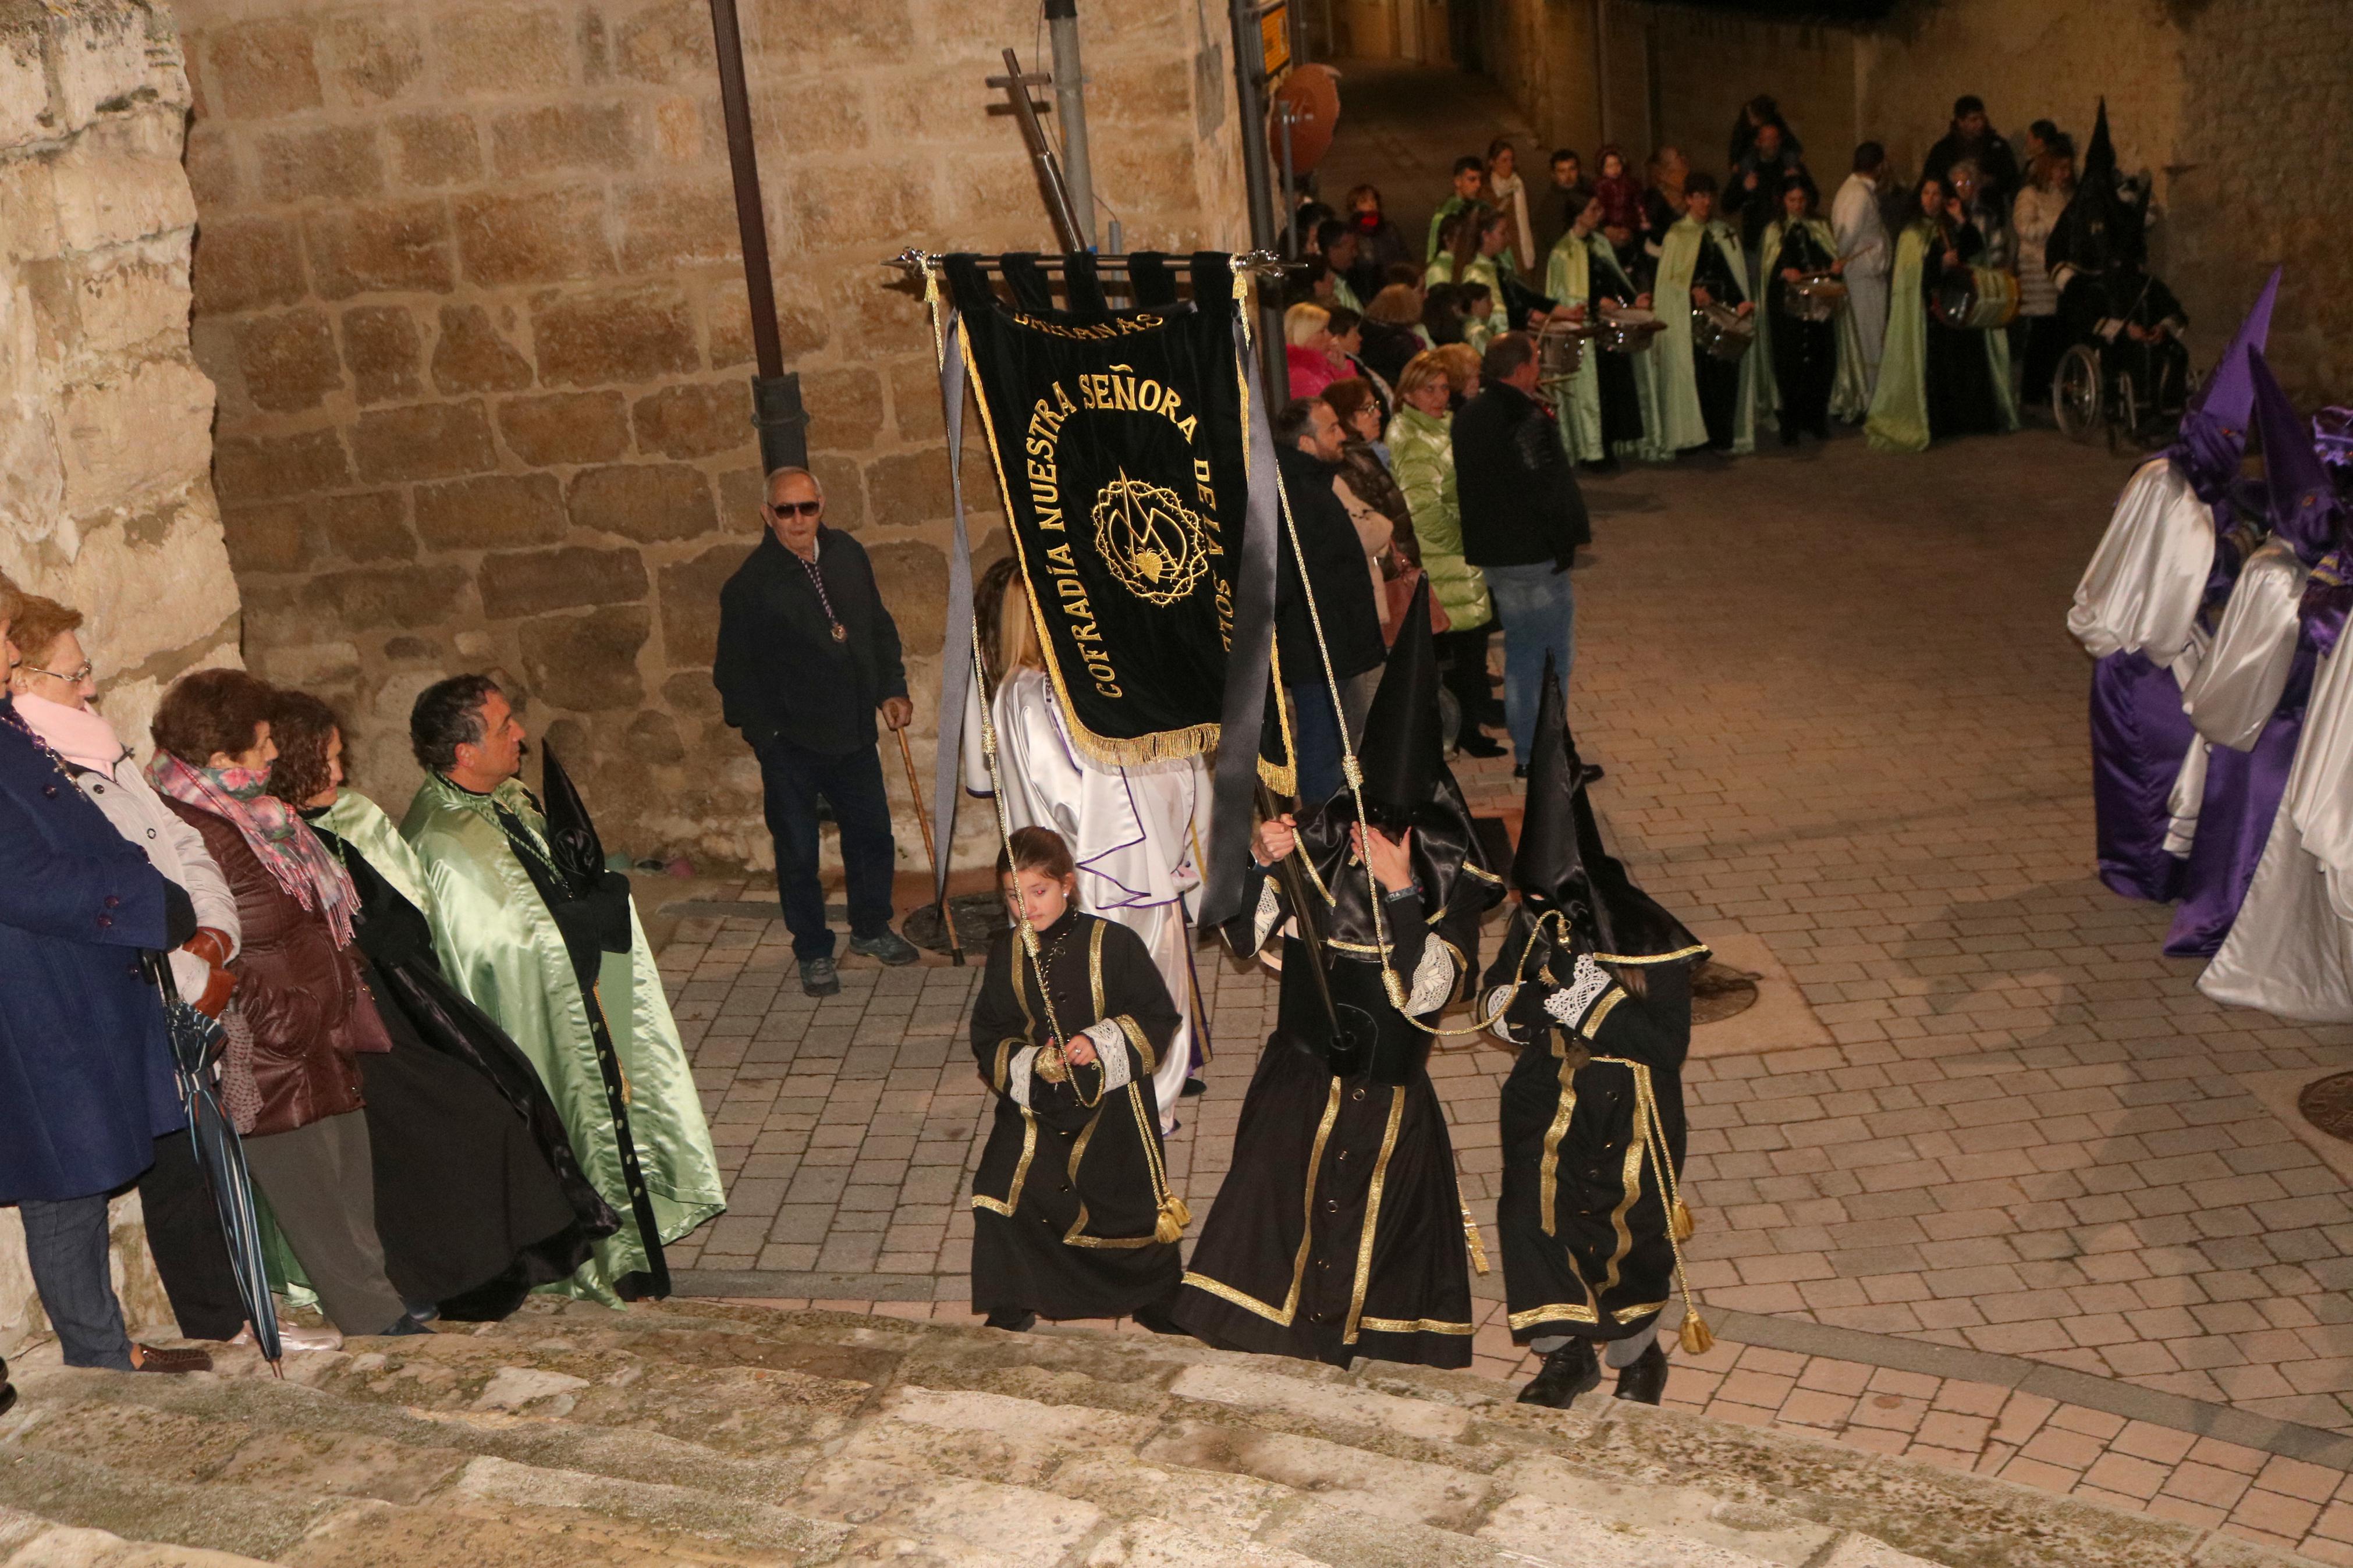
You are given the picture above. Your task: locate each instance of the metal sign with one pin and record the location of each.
(1275, 39)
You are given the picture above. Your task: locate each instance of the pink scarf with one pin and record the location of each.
(80, 735)
(303, 867)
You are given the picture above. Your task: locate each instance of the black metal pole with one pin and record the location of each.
(1249, 90)
(776, 396)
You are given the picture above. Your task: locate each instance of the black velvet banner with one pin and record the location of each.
(1118, 439)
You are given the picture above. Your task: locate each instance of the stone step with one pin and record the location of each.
(702, 1432)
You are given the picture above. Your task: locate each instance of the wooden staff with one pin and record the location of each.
(931, 851)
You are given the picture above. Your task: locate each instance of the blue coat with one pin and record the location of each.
(86, 1078)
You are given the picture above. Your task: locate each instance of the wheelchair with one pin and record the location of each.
(2095, 394)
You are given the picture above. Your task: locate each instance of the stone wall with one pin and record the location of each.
(104, 416)
(2231, 106)
(468, 277)
(2227, 105)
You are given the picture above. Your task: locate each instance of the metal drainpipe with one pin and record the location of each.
(1249, 90)
(777, 409)
(1070, 107)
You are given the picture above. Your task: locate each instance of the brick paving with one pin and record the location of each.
(1841, 714)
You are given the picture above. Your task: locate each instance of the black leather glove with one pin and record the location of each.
(179, 915)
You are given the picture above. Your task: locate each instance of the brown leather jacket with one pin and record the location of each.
(307, 1009)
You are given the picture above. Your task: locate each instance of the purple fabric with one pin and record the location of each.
(2300, 494)
(2139, 735)
(2213, 430)
(2243, 795)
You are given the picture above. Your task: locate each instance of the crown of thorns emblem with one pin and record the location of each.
(1150, 542)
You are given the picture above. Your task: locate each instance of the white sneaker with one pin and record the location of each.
(293, 1337)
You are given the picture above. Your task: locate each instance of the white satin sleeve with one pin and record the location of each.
(1042, 781)
(2318, 800)
(2141, 592)
(2238, 684)
(974, 759)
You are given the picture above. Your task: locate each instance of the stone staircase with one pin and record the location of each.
(696, 1433)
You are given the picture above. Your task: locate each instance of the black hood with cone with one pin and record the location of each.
(1404, 749)
(1563, 864)
(2104, 227)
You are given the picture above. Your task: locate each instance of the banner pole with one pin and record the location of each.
(931, 850)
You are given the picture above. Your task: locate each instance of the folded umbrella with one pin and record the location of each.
(197, 1043)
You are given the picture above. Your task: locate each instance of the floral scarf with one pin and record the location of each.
(302, 865)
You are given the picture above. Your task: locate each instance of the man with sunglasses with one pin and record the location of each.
(807, 653)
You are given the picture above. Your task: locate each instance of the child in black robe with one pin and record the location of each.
(1340, 1231)
(1072, 1214)
(1594, 985)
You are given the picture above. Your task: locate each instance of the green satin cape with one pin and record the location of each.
(1898, 421)
(501, 947)
(362, 824)
(1681, 426)
(1569, 278)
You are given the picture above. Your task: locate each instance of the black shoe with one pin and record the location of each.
(818, 977)
(1012, 1323)
(403, 1327)
(1519, 770)
(7, 1391)
(1193, 1087)
(1475, 744)
(889, 948)
(1566, 1372)
(1646, 1378)
(1591, 772)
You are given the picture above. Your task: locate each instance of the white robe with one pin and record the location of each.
(2141, 594)
(1131, 831)
(2290, 952)
(1862, 246)
(2238, 682)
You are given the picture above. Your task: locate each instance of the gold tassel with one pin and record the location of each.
(1696, 1339)
(1681, 1219)
(1478, 1248)
(1173, 1217)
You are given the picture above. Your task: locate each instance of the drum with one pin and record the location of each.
(1560, 349)
(1814, 298)
(1976, 299)
(1626, 332)
(1723, 332)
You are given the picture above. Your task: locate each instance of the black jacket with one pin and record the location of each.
(1520, 500)
(1335, 571)
(1995, 162)
(779, 671)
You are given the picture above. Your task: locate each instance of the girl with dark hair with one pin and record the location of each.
(1802, 351)
(1938, 378)
(479, 1198)
(1073, 1213)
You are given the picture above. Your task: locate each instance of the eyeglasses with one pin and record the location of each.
(71, 678)
(796, 508)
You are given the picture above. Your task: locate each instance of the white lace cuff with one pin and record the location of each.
(1017, 1076)
(1433, 978)
(1111, 1052)
(1570, 1004)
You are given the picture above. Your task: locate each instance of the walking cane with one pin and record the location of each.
(931, 852)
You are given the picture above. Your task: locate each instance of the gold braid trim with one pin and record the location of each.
(1372, 1213)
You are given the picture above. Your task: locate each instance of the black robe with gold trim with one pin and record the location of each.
(1073, 1183)
(1593, 1101)
(1339, 1230)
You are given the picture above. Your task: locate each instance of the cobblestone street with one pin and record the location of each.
(2030, 1183)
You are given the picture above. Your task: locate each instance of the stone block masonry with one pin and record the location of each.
(105, 443)
(468, 279)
